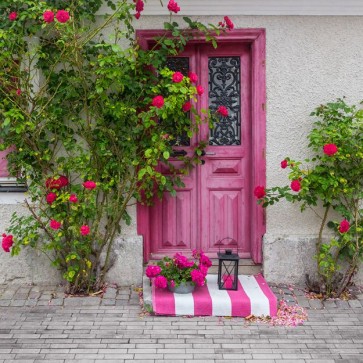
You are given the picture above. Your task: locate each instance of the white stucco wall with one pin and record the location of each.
(310, 60)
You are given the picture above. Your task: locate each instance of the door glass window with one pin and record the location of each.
(180, 64)
(224, 89)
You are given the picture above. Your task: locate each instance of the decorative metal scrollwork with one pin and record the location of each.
(179, 64)
(225, 90)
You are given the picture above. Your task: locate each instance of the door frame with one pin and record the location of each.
(256, 37)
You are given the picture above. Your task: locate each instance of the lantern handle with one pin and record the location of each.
(219, 243)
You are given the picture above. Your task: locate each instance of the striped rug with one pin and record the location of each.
(253, 296)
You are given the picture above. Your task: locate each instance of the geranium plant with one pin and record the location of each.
(89, 120)
(333, 177)
(180, 269)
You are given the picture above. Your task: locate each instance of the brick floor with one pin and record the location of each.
(40, 324)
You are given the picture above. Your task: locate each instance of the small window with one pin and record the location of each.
(8, 183)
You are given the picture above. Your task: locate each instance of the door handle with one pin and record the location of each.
(204, 153)
(176, 153)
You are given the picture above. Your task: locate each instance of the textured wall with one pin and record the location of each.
(310, 60)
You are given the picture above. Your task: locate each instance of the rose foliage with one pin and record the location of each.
(90, 114)
(333, 177)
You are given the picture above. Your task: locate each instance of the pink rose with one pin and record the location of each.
(198, 277)
(73, 198)
(85, 230)
(204, 260)
(173, 6)
(18, 91)
(48, 16)
(152, 271)
(229, 23)
(172, 283)
(13, 15)
(62, 16)
(7, 242)
(222, 110)
(259, 192)
(295, 185)
(344, 226)
(137, 16)
(55, 224)
(330, 149)
(158, 101)
(284, 164)
(187, 106)
(89, 184)
(200, 90)
(193, 77)
(177, 77)
(51, 197)
(161, 282)
(139, 6)
(182, 262)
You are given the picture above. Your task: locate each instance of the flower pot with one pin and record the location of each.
(183, 288)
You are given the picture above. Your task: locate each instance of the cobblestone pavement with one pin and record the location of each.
(38, 324)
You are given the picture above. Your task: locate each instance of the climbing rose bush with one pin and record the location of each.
(89, 121)
(333, 177)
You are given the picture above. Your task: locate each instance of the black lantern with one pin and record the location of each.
(228, 270)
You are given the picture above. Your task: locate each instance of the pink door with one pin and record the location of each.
(213, 207)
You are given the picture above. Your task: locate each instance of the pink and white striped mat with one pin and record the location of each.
(253, 296)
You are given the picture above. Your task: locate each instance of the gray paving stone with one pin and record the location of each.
(315, 304)
(355, 304)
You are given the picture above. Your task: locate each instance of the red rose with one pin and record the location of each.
(284, 164)
(187, 106)
(344, 226)
(173, 6)
(18, 91)
(330, 149)
(51, 197)
(137, 15)
(56, 183)
(139, 6)
(158, 101)
(73, 198)
(63, 180)
(84, 230)
(193, 77)
(177, 77)
(222, 110)
(52, 183)
(259, 192)
(200, 90)
(222, 24)
(55, 224)
(89, 184)
(48, 16)
(7, 242)
(229, 23)
(13, 16)
(295, 185)
(62, 16)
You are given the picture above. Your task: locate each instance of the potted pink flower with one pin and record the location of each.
(180, 274)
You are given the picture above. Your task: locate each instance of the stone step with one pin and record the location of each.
(245, 266)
